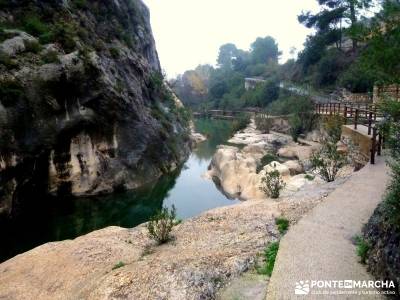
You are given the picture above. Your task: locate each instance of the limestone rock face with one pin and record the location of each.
(251, 136)
(195, 137)
(17, 44)
(236, 173)
(342, 148)
(277, 166)
(83, 107)
(239, 172)
(294, 167)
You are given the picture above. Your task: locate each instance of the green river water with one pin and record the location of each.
(60, 219)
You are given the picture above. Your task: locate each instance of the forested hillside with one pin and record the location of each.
(351, 47)
(223, 86)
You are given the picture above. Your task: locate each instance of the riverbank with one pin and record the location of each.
(60, 218)
(213, 248)
(207, 252)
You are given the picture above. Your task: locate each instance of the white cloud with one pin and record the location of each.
(190, 32)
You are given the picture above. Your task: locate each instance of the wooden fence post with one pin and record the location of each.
(356, 119)
(373, 145)
(369, 123)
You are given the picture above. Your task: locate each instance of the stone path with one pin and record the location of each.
(320, 246)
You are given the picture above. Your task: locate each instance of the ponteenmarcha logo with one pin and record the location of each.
(360, 287)
(302, 288)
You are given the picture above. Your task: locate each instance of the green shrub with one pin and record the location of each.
(358, 79)
(265, 160)
(328, 69)
(46, 38)
(333, 127)
(241, 122)
(35, 26)
(362, 249)
(327, 161)
(270, 254)
(301, 110)
(129, 41)
(291, 104)
(160, 225)
(296, 127)
(114, 53)
(65, 34)
(183, 115)
(283, 224)
(118, 265)
(391, 131)
(392, 199)
(263, 123)
(80, 4)
(156, 81)
(4, 35)
(32, 46)
(6, 61)
(11, 91)
(309, 177)
(50, 57)
(272, 184)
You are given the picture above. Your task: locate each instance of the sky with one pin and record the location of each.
(190, 32)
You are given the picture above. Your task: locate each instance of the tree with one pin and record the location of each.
(334, 17)
(382, 55)
(264, 50)
(263, 93)
(218, 89)
(227, 53)
(241, 61)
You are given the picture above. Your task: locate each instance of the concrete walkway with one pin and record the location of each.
(320, 246)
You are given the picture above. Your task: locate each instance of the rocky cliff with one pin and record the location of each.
(384, 251)
(83, 105)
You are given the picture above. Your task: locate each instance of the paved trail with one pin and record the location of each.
(320, 246)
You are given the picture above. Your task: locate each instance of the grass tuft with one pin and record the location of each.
(118, 265)
(309, 177)
(362, 248)
(270, 254)
(283, 225)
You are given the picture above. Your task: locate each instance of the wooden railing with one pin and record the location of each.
(224, 113)
(359, 114)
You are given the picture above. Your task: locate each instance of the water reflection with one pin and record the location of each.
(59, 219)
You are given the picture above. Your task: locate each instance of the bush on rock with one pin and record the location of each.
(160, 225)
(272, 184)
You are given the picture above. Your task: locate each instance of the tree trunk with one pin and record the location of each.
(353, 19)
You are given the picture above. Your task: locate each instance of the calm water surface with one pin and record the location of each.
(60, 219)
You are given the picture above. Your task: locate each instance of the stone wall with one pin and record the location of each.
(362, 141)
(361, 98)
(387, 91)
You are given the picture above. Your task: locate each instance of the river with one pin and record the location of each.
(60, 219)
